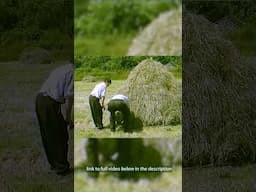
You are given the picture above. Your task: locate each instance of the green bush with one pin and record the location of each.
(118, 67)
(117, 16)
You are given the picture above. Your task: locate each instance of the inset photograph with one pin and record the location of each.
(128, 27)
(127, 96)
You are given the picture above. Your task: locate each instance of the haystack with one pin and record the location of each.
(161, 37)
(154, 94)
(35, 55)
(215, 106)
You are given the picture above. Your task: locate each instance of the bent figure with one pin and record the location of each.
(58, 90)
(119, 110)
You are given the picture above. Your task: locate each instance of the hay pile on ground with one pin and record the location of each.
(217, 121)
(35, 55)
(154, 94)
(161, 37)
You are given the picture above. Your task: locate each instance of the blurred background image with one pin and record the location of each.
(219, 96)
(122, 27)
(128, 153)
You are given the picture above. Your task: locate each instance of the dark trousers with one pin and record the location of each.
(54, 132)
(119, 105)
(96, 110)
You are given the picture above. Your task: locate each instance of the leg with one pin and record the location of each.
(112, 110)
(112, 121)
(98, 115)
(54, 132)
(126, 116)
(93, 111)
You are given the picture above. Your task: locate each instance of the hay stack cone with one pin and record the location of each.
(154, 94)
(161, 37)
(215, 107)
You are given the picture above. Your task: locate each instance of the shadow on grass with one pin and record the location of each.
(136, 124)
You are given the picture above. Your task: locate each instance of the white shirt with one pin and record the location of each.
(60, 84)
(121, 97)
(99, 90)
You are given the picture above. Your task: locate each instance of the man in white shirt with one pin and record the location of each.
(119, 104)
(97, 95)
(57, 91)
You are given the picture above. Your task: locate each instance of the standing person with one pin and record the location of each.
(119, 111)
(97, 95)
(56, 92)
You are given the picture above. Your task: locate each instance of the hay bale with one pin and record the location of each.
(161, 37)
(215, 115)
(154, 94)
(35, 55)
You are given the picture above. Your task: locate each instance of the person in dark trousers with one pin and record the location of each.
(57, 92)
(118, 106)
(97, 95)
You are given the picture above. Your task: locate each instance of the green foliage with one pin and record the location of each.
(47, 24)
(117, 16)
(118, 67)
(107, 27)
(109, 44)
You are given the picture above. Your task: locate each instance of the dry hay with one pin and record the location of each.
(161, 37)
(154, 94)
(216, 117)
(35, 55)
(228, 24)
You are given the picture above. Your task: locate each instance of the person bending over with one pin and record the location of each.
(118, 106)
(96, 101)
(57, 91)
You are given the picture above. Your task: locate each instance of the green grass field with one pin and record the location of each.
(103, 45)
(84, 126)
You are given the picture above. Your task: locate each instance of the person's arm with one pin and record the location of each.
(69, 114)
(103, 102)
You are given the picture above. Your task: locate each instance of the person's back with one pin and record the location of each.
(59, 85)
(56, 91)
(118, 107)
